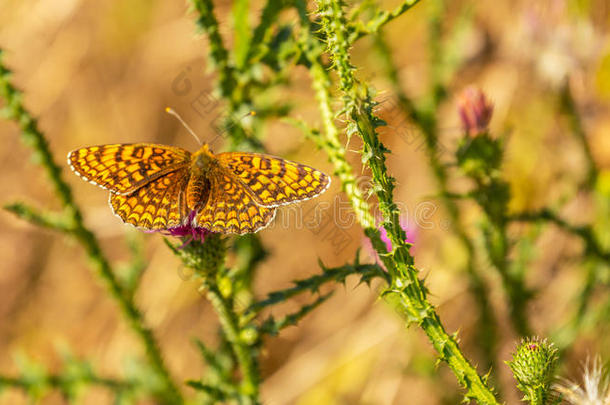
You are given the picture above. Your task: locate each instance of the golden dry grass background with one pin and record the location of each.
(102, 72)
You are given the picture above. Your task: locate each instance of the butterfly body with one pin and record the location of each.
(158, 187)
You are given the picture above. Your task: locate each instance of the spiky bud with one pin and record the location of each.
(533, 366)
(204, 257)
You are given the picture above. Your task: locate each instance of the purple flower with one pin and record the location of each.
(475, 111)
(188, 229)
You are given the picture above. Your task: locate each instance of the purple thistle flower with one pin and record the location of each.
(475, 111)
(188, 229)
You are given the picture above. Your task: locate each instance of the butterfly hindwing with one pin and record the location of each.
(160, 204)
(274, 181)
(124, 168)
(229, 207)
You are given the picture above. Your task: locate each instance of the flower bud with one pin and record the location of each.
(533, 367)
(204, 257)
(475, 111)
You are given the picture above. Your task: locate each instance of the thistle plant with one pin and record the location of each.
(257, 61)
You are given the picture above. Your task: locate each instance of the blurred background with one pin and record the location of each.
(103, 72)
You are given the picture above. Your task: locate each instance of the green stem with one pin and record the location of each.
(233, 83)
(243, 353)
(41, 219)
(592, 246)
(445, 344)
(425, 118)
(337, 274)
(259, 46)
(32, 137)
(273, 326)
(406, 290)
(218, 52)
(331, 144)
(486, 327)
(241, 31)
(207, 260)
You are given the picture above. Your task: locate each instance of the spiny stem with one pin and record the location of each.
(33, 138)
(330, 143)
(406, 290)
(337, 274)
(359, 109)
(273, 326)
(321, 83)
(486, 330)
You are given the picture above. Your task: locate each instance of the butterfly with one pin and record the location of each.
(157, 187)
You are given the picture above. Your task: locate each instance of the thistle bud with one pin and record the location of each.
(475, 111)
(533, 366)
(479, 154)
(204, 257)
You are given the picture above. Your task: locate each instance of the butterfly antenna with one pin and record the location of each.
(175, 114)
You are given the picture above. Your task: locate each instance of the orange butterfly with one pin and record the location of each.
(158, 187)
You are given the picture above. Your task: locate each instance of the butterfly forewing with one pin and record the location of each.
(160, 204)
(124, 168)
(230, 209)
(273, 181)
